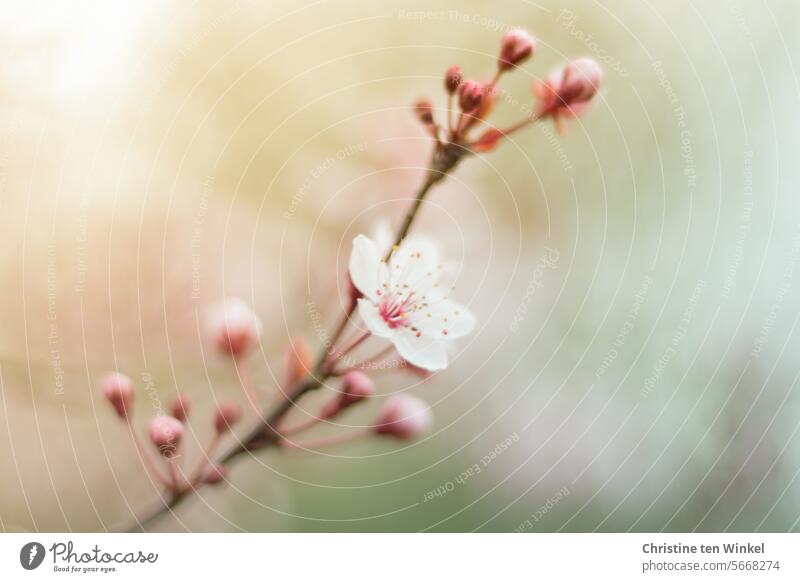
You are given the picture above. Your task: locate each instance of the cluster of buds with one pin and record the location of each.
(566, 93)
(403, 417)
(234, 330)
(166, 433)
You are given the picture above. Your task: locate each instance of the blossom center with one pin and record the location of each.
(395, 310)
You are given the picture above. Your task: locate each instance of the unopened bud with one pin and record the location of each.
(297, 361)
(181, 407)
(452, 79)
(516, 46)
(423, 109)
(404, 417)
(580, 81)
(568, 90)
(118, 390)
(166, 433)
(490, 96)
(470, 96)
(356, 386)
(234, 327)
(228, 414)
(216, 474)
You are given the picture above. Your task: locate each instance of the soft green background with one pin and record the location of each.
(158, 156)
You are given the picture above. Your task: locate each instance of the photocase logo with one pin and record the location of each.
(31, 555)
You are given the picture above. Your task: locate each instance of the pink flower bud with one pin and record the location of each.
(356, 386)
(516, 46)
(118, 390)
(404, 417)
(423, 109)
(234, 327)
(181, 407)
(452, 79)
(216, 474)
(567, 90)
(166, 433)
(470, 96)
(297, 361)
(490, 95)
(580, 81)
(228, 414)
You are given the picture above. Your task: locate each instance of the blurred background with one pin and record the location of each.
(636, 363)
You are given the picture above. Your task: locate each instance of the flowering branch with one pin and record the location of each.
(394, 291)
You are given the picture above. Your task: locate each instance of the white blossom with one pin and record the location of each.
(403, 300)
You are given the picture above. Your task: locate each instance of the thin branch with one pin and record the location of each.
(265, 432)
(323, 442)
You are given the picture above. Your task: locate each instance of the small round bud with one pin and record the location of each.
(118, 390)
(228, 414)
(234, 327)
(181, 407)
(404, 417)
(297, 361)
(580, 81)
(356, 386)
(216, 474)
(423, 109)
(516, 46)
(452, 79)
(490, 95)
(166, 433)
(568, 90)
(470, 96)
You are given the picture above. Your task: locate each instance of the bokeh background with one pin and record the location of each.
(636, 363)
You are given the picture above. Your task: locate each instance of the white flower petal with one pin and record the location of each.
(444, 320)
(367, 271)
(382, 235)
(373, 320)
(414, 266)
(421, 350)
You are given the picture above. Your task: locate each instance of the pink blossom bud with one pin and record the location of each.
(181, 407)
(216, 474)
(404, 417)
(228, 414)
(166, 433)
(356, 386)
(567, 90)
(234, 327)
(297, 361)
(470, 96)
(580, 81)
(118, 390)
(423, 109)
(516, 46)
(452, 79)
